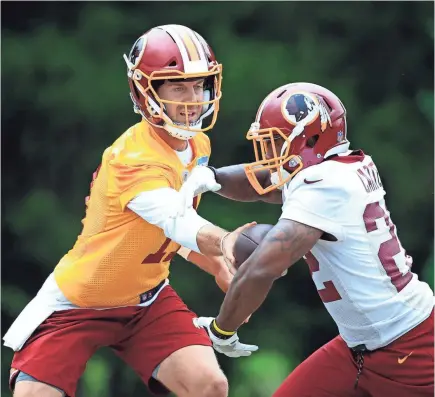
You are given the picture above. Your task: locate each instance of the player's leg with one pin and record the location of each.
(55, 356)
(193, 371)
(28, 386)
(170, 353)
(328, 372)
(405, 368)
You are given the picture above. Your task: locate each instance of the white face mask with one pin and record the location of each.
(274, 179)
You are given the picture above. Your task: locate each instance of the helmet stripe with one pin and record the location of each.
(199, 46)
(191, 47)
(174, 32)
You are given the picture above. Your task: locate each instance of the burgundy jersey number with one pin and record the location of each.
(158, 256)
(386, 253)
(329, 293)
(389, 248)
(161, 254)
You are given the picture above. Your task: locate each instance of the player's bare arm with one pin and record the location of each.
(230, 182)
(209, 239)
(215, 241)
(284, 245)
(236, 186)
(158, 207)
(206, 263)
(213, 265)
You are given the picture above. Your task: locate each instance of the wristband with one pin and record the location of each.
(219, 333)
(221, 245)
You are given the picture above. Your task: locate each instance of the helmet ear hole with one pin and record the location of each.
(311, 142)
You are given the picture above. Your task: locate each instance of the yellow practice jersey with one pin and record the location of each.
(118, 256)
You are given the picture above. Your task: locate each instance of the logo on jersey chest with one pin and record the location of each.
(203, 160)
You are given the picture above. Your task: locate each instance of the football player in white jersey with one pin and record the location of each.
(334, 216)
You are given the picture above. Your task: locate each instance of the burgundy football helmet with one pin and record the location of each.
(310, 123)
(173, 52)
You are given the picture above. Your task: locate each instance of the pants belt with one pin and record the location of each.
(148, 295)
(359, 349)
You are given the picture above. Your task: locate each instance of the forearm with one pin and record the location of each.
(236, 186)
(191, 230)
(204, 263)
(286, 243)
(209, 239)
(215, 266)
(235, 309)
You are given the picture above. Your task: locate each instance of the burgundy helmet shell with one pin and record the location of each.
(173, 52)
(310, 123)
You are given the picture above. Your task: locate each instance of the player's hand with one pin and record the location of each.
(230, 346)
(227, 245)
(200, 180)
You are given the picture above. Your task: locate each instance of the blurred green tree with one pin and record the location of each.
(65, 99)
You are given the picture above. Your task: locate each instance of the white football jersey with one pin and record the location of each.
(364, 277)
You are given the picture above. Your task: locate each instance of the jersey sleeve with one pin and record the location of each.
(159, 208)
(131, 180)
(317, 203)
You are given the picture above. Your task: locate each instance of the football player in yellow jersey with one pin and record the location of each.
(111, 289)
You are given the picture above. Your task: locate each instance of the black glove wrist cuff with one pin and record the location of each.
(214, 171)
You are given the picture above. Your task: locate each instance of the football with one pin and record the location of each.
(248, 241)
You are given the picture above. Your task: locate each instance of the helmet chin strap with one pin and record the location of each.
(274, 177)
(180, 133)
